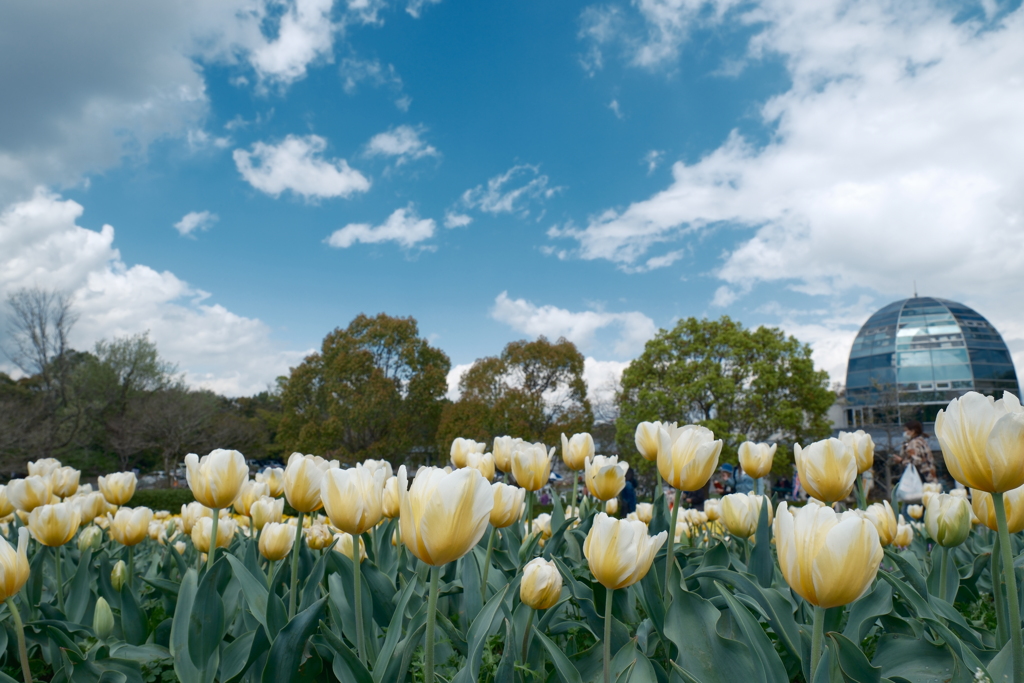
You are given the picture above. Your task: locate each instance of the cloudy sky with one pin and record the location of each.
(240, 177)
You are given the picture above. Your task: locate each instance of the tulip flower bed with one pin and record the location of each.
(446, 576)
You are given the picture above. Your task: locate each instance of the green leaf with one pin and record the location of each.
(206, 622)
(258, 648)
(134, 626)
(756, 638)
(394, 633)
(254, 590)
(761, 564)
(77, 599)
(910, 573)
(483, 626)
(183, 666)
(855, 666)
(309, 589)
(916, 661)
(344, 657)
(286, 652)
(471, 602)
(567, 673)
(866, 611)
(506, 667)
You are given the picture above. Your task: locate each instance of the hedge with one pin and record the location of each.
(162, 499)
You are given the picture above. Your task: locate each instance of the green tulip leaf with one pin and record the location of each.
(910, 573)
(756, 639)
(253, 589)
(486, 623)
(866, 611)
(567, 673)
(183, 666)
(345, 660)
(394, 632)
(505, 672)
(206, 622)
(913, 660)
(286, 651)
(80, 592)
(134, 627)
(851, 660)
(691, 624)
(761, 564)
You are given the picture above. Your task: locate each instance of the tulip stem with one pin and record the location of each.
(526, 634)
(669, 559)
(817, 635)
(131, 565)
(997, 596)
(487, 563)
(608, 634)
(575, 483)
(358, 592)
(60, 584)
(270, 572)
(19, 629)
(944, 573)
(213, 541)
(428, 654)
(295, 567)
(529, 512)
(1016, 643)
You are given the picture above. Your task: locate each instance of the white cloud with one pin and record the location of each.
(296, 164)
(616, 109)
(402, 226)
(453, 379)
(456, 220)
(355, 71)
(195, 220)
(634, 328)
(604, 379)
(41, 245)
(505, 194)
(402, 142)
(653, 159)
(304, 36)
(415, 7)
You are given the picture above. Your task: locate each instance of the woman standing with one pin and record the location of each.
(915, 451)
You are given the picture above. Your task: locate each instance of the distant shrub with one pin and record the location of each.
(162, 499)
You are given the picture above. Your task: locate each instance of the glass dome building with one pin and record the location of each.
(920, 353)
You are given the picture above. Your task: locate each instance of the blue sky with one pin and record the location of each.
(270, 169)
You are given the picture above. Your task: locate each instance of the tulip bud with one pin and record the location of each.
(102, 619)
(926, 497)
(428, 527)
(14, 567)
(202, 533)
(542, 525)
(619, 551)
(740, 513)
(65, 481)
(688, 456)
(482, 463)
(682, 531)
(131, 526)
(180, 547)
(119, 575)
(318, 537)
(91, 537)
(611, 507)
(712, 508)
(959, 492)
(273, 477)
(982, 441)
(503, 446)
(191, 513)
(461, 447)
(42, 467)
(217, 478)
(884, 519)
(302, 480)
(531, 466)
(948, 520)
(827, 469)
(90, 505)
(276, 541)
(541, 585)
(54, 525)
(647, 440)
(353, 498)
(266, 510)
(250, 492)
(862, 446)
(344, 545)
(827, 559)
(576, 450)
(756, 458)
(931, 487)
(644, 512)
(605, 476)
(389, 500)
(118, 488)
(1013, 501)
(156, 532)
(915, 511)
(6, 508)
(29, 493)
(904, 534)
(508, 501)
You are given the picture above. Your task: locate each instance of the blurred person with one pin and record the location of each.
(627, 497)
(915, 451)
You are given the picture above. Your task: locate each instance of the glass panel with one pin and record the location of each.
(949, 356)
(984, 371)
(915, 374)
(945, 373)
(990, 356)
(914, 358)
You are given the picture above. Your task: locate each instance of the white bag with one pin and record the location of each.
(910, 486)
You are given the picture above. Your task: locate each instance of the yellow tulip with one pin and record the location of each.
(90, 505)
(827, 559)
(131, 526)
(6, 508)
(344, 545)
(191, 513)
(926, 497)
(712, 508)
(276, 541)
(645, 512)
(682, 531)
(461, 447)
(619, 551)
(959, 492)
(1013, 500)
(216, 479)
(118, 488)
(647, 439)
(915, 511)
(54, 525)
(931, 487)
(443, 514)
(102, 619)
(14, 569)
(302, 479)
(948, 520)
(65, 481)
(156, 532)
(862, 446)
(542, 525)
(29, 493)
(390, 504)
(982, 441)
(118, 575)
(273, 477)
(250, 492)
(203, 530)
(611, 507)
(904, 534)
(884, 519)
(91, 537)
(576, 450)
(42, 467)
(688, 456)
(382, 465)
(481, 462)
(265, 511)
(827, 469)
(756, 458)
(508, 504)
(605, 476)
(740, 512)
(503, 447)
(318, 536)
(541, 584)
(531, 466)
(180, 547)
(353, 498)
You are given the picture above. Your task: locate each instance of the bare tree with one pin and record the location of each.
(177, 419)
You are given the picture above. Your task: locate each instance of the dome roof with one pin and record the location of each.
(931, 350)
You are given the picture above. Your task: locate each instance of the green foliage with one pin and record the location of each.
(374, 390)
(742, 384)
(162, 499)
(510, 394)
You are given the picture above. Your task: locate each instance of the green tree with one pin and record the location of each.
(533, 390)
(375, 389)
(756, 385)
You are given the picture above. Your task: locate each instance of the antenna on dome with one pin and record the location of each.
(915, 289)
